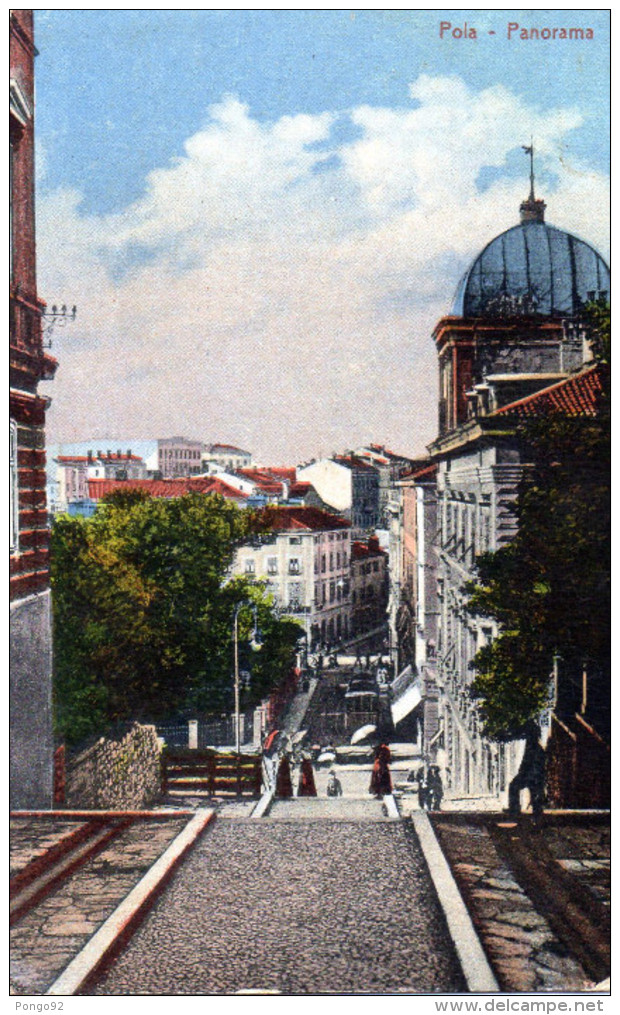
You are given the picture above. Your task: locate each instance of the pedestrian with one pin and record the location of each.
(334, 786)
(434, 789)
(381, 780)
(284, 783)
(531, 774)
(307, 785)
(421, 780)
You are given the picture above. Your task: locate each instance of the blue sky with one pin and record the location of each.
(177, 147)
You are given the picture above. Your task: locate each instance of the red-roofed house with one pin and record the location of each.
(306, 563)
(348, 485)
(98, 488)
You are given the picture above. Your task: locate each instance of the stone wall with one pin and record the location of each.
(122, 774)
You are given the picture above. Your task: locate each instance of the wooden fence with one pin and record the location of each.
(204, 770)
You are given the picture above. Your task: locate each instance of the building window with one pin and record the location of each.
(295, 540)
(294, 566)
(272, 565)
(250, 566)
(14, 490)
(323, 563)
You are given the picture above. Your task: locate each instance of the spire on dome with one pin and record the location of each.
(532, 210)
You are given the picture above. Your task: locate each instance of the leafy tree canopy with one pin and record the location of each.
(143, 611)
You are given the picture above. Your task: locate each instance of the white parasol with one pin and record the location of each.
(362, 733)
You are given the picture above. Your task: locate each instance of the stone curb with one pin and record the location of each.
(391, 807)
(474, 963)
(119, 924)
(262, 807)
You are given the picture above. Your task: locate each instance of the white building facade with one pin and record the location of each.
(306, 564)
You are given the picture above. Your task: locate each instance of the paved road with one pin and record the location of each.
(296, 907)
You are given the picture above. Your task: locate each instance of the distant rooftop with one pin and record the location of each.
(284, 518)
(574, 396)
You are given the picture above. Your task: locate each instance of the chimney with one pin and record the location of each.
(128, 452)
(99, 455)
(119, 453)
(89, 456)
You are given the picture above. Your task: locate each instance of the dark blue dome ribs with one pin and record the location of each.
(532, 268)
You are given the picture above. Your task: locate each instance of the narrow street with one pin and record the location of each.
(295, 907)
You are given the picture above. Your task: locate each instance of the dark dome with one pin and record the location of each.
(532, 268)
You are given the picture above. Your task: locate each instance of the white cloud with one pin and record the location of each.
(276, 288)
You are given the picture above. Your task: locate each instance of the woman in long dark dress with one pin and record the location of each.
(307, 785)
(381, 780)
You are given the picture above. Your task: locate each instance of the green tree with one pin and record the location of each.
(143, 612)
(549, 590)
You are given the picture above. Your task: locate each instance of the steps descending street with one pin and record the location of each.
(294, 906)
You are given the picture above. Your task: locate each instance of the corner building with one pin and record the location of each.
(514, 331)
(31, 738)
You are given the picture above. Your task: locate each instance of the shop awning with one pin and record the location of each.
(406, 703)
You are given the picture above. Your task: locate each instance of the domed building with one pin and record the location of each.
(514, 345)
(514, 325)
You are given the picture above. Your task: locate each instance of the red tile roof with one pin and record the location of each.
(263, 479)
(353, 462)
(283, 518)
(382, 450)
(289, 473)
(360, 550)
(98, 488)
(578, 395)
(427, 472)
(299, 489)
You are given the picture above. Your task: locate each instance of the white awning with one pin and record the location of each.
(406, 703)
(403, 680)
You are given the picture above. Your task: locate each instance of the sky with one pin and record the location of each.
(261, 215)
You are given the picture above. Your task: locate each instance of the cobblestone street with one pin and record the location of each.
(46, 939)
(510, 915)
(294, 907)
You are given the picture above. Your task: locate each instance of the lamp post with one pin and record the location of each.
(238, 609)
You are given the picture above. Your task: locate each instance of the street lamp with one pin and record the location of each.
(255, 644)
